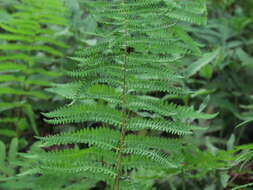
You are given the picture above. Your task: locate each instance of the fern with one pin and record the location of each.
(14, 168)
(137, 57)
(25, 39)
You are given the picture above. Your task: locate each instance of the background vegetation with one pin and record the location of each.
(36, 41)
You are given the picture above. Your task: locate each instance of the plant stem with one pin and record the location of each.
(116, 185)
(122, 133)
(119, 160)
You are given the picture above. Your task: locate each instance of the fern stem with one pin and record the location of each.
(123, 131)
(120, 156)
(116, 185)
(122, 135)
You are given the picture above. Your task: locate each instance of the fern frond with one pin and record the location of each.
(101, 137)
(30, 31)
(137, 161)
(153, 155)
(78, 167)
(165, 109)
(8, 90)
(137, 58)
(76, 154)
(152, 143)
(177, 128)
(81, 113)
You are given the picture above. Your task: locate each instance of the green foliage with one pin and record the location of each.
(28, 47)
(224, 74)
(8, 158)
(136, 59)
(130, 116)
(14, 170)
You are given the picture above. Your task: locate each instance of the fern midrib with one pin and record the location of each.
(124, 113)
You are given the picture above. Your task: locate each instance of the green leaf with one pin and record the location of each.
(206, 71)
(2, 154)
(203, 61)
(243, 186)
(29, 112)
(8, 132)
(231, 142)
(13, 150)
(244, 123)
(224, 177)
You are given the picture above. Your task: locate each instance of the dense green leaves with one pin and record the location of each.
(26, 38)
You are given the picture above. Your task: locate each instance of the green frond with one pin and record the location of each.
(109, 80)
(141, 86)
(23, 80)
(138, 54)
(78, 90)
(184, 112)
(104, 91)
(192, 11)
(187, 16)
(15, 68)
(11, 67)
(153, 155)
(159, 60)
(165, 109)
(24, 38)
(19, 56)
(8, 28)
(182, 35)
(93, 50)
(69, 90)
(8, 90)
(76, 154)
(150, 104)
(81, 167)
(95, 70)
(101, 137)
(137, 161)
(42, 48)
(81, 113)
(129, 9)
(15, 37)
(153, 143)
(29, 31)
(177, 128)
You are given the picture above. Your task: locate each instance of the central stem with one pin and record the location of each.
(116, 185)
(123, 126)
